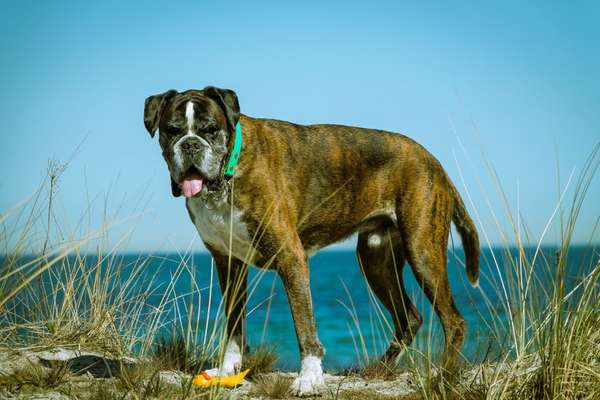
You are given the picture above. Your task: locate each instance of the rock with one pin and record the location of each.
(84, 362)
(43, 396)
(172, 377)
(12, 362)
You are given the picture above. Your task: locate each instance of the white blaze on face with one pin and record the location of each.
(189, 116)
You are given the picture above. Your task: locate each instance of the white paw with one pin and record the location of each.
(232, 361)
(307, 386)
(222, 371)
(310, 382)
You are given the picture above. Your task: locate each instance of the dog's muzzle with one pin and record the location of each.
(193, 158)
(191, 146)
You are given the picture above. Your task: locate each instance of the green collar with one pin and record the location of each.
(234, 157)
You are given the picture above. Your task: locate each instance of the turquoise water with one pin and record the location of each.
(347, 320)
(340, 292)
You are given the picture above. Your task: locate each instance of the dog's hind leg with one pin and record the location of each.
(433, 278)
(233, 276)
(426, 240)
(381, 258)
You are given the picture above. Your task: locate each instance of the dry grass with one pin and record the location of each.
(273, 386)
(36, 376)
(174, 353)
(260, 361)
(554, 322)
(103, 391)
(68, 296)
(458, 390)
(133, 377)
(368, 394)
(143, 381)
(386, 371)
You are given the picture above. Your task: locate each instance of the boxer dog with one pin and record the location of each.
(270, 193)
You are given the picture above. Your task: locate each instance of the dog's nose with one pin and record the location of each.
(191, 145)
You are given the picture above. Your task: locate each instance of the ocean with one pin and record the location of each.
(348, 323)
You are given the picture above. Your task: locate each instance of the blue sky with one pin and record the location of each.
(511, 84)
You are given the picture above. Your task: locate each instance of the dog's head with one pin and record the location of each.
(195, 128)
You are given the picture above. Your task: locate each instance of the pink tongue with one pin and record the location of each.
(191, 185)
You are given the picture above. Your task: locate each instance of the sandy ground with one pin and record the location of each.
(100, 369)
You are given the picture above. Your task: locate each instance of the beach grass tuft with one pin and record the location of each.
(379, 369)
(273, 386)
(37, 376)
(174, 353)
(260, 360)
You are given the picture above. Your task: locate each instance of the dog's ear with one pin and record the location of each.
(153, 108)
(228, 101)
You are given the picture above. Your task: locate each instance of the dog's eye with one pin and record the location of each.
(210, 133)
(172, 131)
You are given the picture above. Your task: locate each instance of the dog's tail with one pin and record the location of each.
(468, 234)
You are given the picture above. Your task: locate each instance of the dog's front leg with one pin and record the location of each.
(233, 283)
(293, 270)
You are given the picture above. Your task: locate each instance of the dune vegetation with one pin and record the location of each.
(76, 321)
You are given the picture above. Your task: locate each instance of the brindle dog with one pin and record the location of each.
(300, 188)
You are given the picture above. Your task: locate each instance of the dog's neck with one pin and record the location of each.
(218, 191)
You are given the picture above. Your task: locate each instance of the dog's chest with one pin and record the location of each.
(222, 227)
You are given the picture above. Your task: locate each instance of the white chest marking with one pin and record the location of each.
(222, 227)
